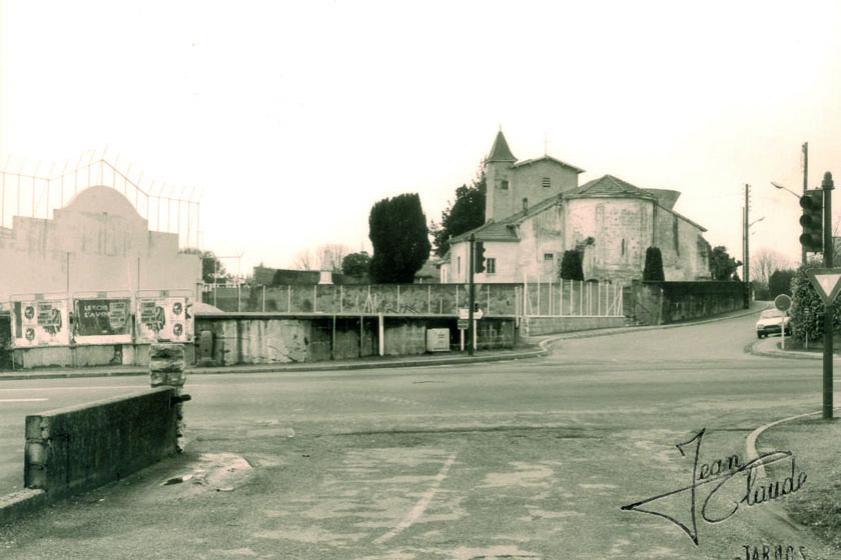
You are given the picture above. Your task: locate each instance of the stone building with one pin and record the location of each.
(535, 211)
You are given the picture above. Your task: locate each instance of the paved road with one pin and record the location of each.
(527, 459)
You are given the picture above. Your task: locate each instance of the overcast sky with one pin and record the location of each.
(295, 117)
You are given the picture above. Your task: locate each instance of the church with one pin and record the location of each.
(535, 210)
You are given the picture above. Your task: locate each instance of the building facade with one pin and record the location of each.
(535, 211)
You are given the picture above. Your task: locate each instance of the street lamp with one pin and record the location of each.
(780, 187)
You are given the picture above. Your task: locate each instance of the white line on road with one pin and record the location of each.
(422, 504)
(22, 400)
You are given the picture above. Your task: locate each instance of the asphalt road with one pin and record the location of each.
(527, 459)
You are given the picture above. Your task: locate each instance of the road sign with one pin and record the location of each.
(464, 314)
(462, 324)
(827, 282)
(782, 302)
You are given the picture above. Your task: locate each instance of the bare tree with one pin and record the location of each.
(764, 262)
(324, 257)
(305, 260)
(331, 256)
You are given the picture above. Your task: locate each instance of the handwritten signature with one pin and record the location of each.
(726, 495)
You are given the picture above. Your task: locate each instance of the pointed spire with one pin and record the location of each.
(500, 150)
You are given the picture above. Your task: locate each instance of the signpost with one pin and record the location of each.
(783, 303)
(827, 282)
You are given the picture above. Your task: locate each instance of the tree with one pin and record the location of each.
(397, 229)
(466, 213)
(356, 264)
(807, 309)
(780, 282)
(324, 257)
(571, 268)
(722, 265)
(211, 266)
(764, 262)
(653, 271)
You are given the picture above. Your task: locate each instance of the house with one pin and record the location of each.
(535, 211)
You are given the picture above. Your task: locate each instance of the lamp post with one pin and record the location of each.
(797, 196)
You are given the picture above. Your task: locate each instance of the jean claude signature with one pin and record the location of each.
(721, 487)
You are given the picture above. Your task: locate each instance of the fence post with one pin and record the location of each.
(381, 337)
(429, 299)
(264, 298)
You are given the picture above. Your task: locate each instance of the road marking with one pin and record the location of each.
(22, 400)
(421, 505)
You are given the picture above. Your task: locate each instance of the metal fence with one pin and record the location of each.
(166, 208)
(572, 298)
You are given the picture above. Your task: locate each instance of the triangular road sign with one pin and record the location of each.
(827, 282)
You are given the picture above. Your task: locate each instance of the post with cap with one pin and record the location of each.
(828, 249)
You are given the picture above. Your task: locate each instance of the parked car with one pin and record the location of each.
(771, 322)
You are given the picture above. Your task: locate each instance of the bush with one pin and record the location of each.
(807, 309)
(780, 283)
(653, 271)
(571, 268)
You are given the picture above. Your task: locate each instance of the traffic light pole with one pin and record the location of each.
(471, 297)
(828, 250)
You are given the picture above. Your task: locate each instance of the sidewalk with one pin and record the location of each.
(450, 358)
(770, 348)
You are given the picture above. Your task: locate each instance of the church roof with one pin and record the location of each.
(506, 229)
(500, 150)
(609, 186)
(548, 158)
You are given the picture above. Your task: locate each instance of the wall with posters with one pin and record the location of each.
(105, 328)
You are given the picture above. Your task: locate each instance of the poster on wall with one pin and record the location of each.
(103, 317)
(40, 323)
(164, 319)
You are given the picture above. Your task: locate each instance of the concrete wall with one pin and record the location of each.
(77, 448)
(658, 303)
(84, 355)
(260, 338)
(109, 245)
(536, 326)
(411, 299)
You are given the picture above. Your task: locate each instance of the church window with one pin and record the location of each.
(503, 185)
(675, 236)
(623, 248)
(490, 265)
(547, 182)
(458, 265)
(548, 256)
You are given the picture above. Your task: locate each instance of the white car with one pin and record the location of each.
(771, 321)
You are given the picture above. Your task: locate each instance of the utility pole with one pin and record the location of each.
(471, 295)
(828, 248)
(805, 187)
(746, 252)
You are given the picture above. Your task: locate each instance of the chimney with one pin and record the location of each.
(525, 204)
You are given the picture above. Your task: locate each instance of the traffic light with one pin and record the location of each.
(812, 221)
(480, 256)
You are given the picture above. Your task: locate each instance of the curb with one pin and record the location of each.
(785, 354)
(283, 368)
(17, 504)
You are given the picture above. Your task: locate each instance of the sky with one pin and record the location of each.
(293, 118)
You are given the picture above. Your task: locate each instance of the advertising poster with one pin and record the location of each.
(40, 323)
(103, 317)
(164, 319)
